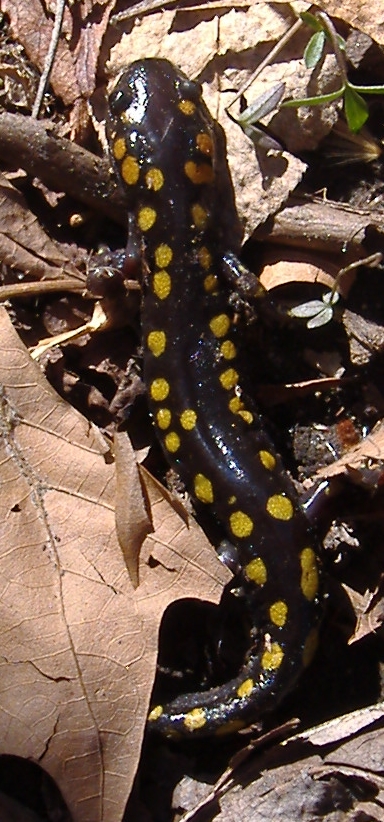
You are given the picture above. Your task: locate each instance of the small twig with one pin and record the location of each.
(372, 261)
(269, 58)
(59, 14)
(148, 6)
(37, 287)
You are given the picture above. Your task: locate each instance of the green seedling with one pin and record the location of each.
(355, 107)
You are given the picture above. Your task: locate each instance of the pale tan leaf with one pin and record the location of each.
(130, 506)
(78, 644)
(369, 611)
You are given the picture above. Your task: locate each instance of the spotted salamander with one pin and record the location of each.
(184, 233)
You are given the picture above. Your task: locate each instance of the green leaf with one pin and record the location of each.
(263, 105)
(311, 20)
(314, 101)
(314, 49)
(355, 108)
(367, 89)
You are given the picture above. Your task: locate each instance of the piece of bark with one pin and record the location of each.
(321, 225)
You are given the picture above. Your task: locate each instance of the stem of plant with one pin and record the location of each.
(332, 34)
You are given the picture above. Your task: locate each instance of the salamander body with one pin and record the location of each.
(184, 230)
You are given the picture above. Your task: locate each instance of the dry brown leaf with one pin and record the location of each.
(78, 643)
(285, 781)
(342, 727)
(23, 242)
(94, 21)
(73, 76)
(31, 26)
(130, 506)
(366, 15)
(370, 450)
(369, 611)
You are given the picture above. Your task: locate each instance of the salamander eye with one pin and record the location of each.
(120, 100)
(190, 90)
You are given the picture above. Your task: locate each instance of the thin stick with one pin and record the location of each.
(59, 14)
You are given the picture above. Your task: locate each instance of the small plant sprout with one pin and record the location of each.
(355, 107)
(320, 312)
(316, 312)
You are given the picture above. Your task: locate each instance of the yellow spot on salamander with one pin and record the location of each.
(267, 459)
(203, 488)
(245, 689)
(119, 148)
(204, 143)
(235, 405)
(228, 350)
(272, 658)
(199, 216)
(146, 218)
(159, 389)
(130, 170)
(195, 719)
(220, 325)
(278, 613)
(163, 418)
(163, 255)
(309, 573)
(199, 173)
(310, 647)
(247, 416)
(256, 571)
(188, 419)
(210, 283)
(232, 500)
(156, 342)
(155, 713)
(280, 507)
(204, 257)
(172, 442)
(241, 524)
(229, 378)
(161, 284)
(154, 179)
(187, 107)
